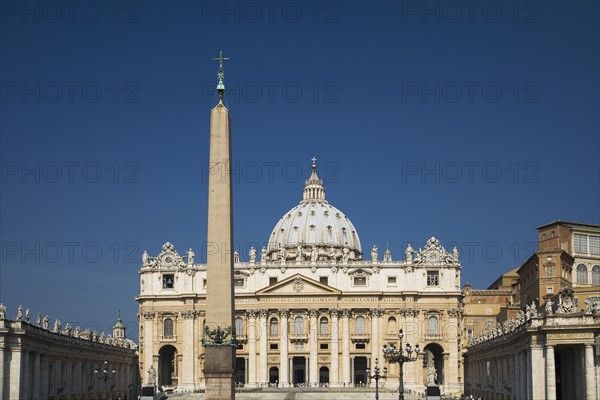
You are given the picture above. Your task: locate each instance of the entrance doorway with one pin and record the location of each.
(298, 370)
(360, 370)
(273, 375)
(240, 371)
(167, 374)
(324, 375)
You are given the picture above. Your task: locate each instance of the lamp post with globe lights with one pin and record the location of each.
(396, 355)
(105, 374)
(377, 376)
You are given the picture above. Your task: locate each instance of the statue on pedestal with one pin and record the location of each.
(19, 314)
(152, 376)
(252, 254)
(46, 323)
(2, 311)
(145, 258)
(190, 256)
(374, 251)
(431, 376)
(263, 254)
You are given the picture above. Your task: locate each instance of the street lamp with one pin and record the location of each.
(377, 376)
(105, 375)
(396, 355)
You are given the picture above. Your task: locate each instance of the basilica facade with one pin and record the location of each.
(310, 308)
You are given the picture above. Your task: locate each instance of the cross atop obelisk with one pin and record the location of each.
(219, 334)
(221, 74)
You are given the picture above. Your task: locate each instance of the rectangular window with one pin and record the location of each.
(168, 281)
(238, 282)
(273, 346)
(549, 289)
(469, 310)
(324, 346)
(470, 333)
(580, 243)
(488, 310)
(595, 245)
(324, 280)
(360, 281)
(392, 280)
(433, 278)
(272, 280)
(360, 346)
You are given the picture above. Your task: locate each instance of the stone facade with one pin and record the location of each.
(308, 309)
(39, 360)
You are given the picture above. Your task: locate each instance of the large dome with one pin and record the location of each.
(314, 230)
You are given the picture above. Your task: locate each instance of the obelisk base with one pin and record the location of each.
(218, 373)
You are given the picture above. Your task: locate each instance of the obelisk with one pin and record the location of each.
(219, 338)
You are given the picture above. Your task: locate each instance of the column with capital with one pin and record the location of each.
(251, 314)
(346, 347)
(314, 339)
(188, 372)
(335, 350)
(451, 330)
(148, 343)
(375, 314)
(551, 378)
(590, 378)
(264, 336)
(284, 374)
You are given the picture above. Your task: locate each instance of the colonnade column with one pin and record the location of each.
(284, 375)
(264, 335)
(335, 350)
(251, 348)
(537, 374)
(346, 347)
(35, 389)
(2, 377)
(313, 357)
(590, 378)
(15, 374)
(25, 375)
(551, 378)
(44, 373)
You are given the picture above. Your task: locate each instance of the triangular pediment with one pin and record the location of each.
(298, 284)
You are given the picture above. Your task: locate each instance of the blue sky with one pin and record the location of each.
(474, 124)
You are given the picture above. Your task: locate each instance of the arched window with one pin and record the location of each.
(168, 328)
(360, 325)
(392, 326)
(324, 326)
(274, 327)
(432, 325)
(298, 325)
(582, 274)
(239, 326)
(596, 275)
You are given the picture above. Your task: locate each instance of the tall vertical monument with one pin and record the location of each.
(219, 334)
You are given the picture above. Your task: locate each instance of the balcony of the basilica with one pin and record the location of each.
(298, 337)
(167, 339)
(360, 337)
